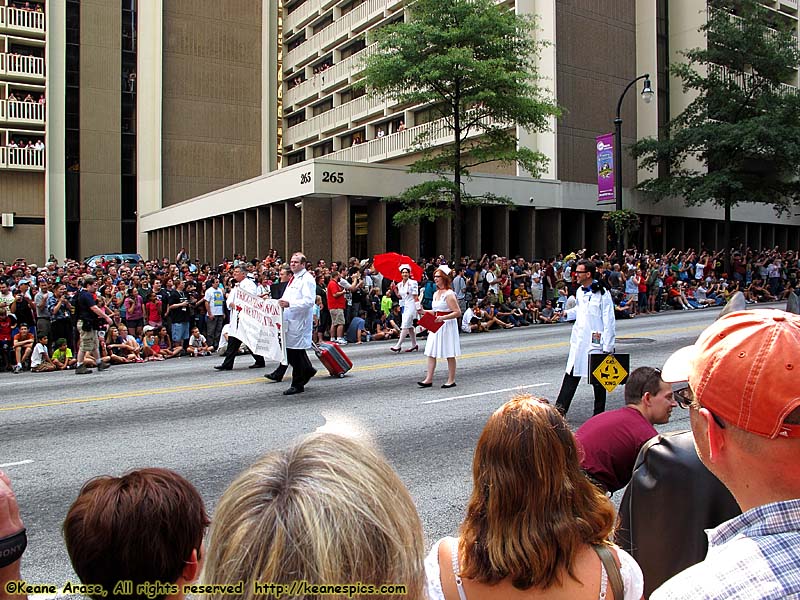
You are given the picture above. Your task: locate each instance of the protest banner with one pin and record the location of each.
(258, 322)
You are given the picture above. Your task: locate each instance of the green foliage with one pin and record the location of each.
(743, 125)
(622, 221)
(475, 61)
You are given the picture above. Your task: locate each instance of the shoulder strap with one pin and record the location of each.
(454, 560)
(612, 568)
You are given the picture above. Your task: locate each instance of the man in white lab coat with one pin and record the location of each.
(298, 315)
(594, 332)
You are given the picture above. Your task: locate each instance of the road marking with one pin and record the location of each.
(364, 369)
(516, 387)
(16, 464)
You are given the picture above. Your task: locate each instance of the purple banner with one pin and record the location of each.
(605, 169)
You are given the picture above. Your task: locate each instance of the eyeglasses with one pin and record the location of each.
(684, 397)
(581, 271)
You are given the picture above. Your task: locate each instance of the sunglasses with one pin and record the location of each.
(684, 397)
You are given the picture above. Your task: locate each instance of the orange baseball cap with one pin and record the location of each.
(745, 368)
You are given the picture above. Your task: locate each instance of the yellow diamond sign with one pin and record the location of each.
(610, 373)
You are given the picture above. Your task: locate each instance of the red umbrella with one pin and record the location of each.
(388, 265)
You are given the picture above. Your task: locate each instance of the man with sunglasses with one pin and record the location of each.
(745, 415)
(594, 332)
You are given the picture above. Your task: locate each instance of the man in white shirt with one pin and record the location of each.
(234, 343)
(215, 312)
(298, 303)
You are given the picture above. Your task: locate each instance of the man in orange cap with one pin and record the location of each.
(744, 402)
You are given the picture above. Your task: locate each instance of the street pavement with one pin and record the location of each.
(58, 430)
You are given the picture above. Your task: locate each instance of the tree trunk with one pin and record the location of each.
(726, 238)
(455, 222)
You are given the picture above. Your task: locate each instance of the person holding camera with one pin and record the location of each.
(89, 316)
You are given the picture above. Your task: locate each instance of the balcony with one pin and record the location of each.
(397, 144)
(22, 113)
(339, 117)
(341, 29)
(15, 21)
(16, 67)
(21, 159)
(328, 79)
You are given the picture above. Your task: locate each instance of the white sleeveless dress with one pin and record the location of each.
(443, 343)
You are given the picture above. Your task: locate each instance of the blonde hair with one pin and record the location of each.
(328, 510)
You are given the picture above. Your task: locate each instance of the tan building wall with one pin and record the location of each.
(211, 135)
(596, 56)
(23, 194)
(101, 80)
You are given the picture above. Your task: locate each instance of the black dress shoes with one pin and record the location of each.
(422, 384)
(223, 368)
(274, 377)
(257, 366)
(311, 374)
(293, 390)
(447, 386)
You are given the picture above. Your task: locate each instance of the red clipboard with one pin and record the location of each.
(429, 322)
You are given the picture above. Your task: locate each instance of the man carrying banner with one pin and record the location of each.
(298, 314)
(276, 292)
(234, 343)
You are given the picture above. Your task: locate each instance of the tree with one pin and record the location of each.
(743, 126)
(473, 62)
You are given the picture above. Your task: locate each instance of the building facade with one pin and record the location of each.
(238, 126)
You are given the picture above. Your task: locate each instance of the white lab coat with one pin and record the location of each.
(298, 317)
(247, 285)
(593, 312)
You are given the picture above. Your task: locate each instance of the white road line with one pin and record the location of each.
(518, 387)
(14, 464)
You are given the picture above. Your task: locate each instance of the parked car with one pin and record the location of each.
(131, 259)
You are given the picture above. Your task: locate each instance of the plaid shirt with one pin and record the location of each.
(755, 555)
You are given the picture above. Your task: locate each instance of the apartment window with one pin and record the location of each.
(295, 157)
(294, 42)
(296, 118)
(352, 94)
(426, 115)
(72, 140)
(351, 5)
(294, 6)
(354, 138)
(355, 47)
(322, 107)
(129, 199)
(320, 25)
(323, 149)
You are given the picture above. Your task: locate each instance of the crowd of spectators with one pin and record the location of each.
(164, 309)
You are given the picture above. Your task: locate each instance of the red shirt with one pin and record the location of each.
(609, 443)
(6, 325)
(335, 301)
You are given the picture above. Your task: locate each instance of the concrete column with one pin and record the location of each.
(277, 227)
(340, 228)
(472, 234)
(548, 232)
(409, 239)
(227, 236)
(262, 231)
(238, 233)
(444, 236)
(219, 246)
(250, 233)
(595, 232)
(294, 229)
(316, 229)
(376, 225)
(499, 229)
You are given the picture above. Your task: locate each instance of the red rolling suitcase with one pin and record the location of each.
(333, 357)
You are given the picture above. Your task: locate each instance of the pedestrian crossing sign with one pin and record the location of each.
(609, 370)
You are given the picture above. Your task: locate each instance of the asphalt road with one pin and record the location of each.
(58, 430)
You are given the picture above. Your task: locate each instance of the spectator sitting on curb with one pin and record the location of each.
(62, 355)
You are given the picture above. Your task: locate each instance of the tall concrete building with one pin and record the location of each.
(237, 126)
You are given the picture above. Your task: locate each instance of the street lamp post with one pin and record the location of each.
(647, 95)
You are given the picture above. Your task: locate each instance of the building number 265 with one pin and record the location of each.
(331, 177)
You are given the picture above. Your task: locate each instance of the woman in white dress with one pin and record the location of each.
(444, 342)
(408, 293)
(535, 527)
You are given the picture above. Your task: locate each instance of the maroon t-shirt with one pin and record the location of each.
(609, 443)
